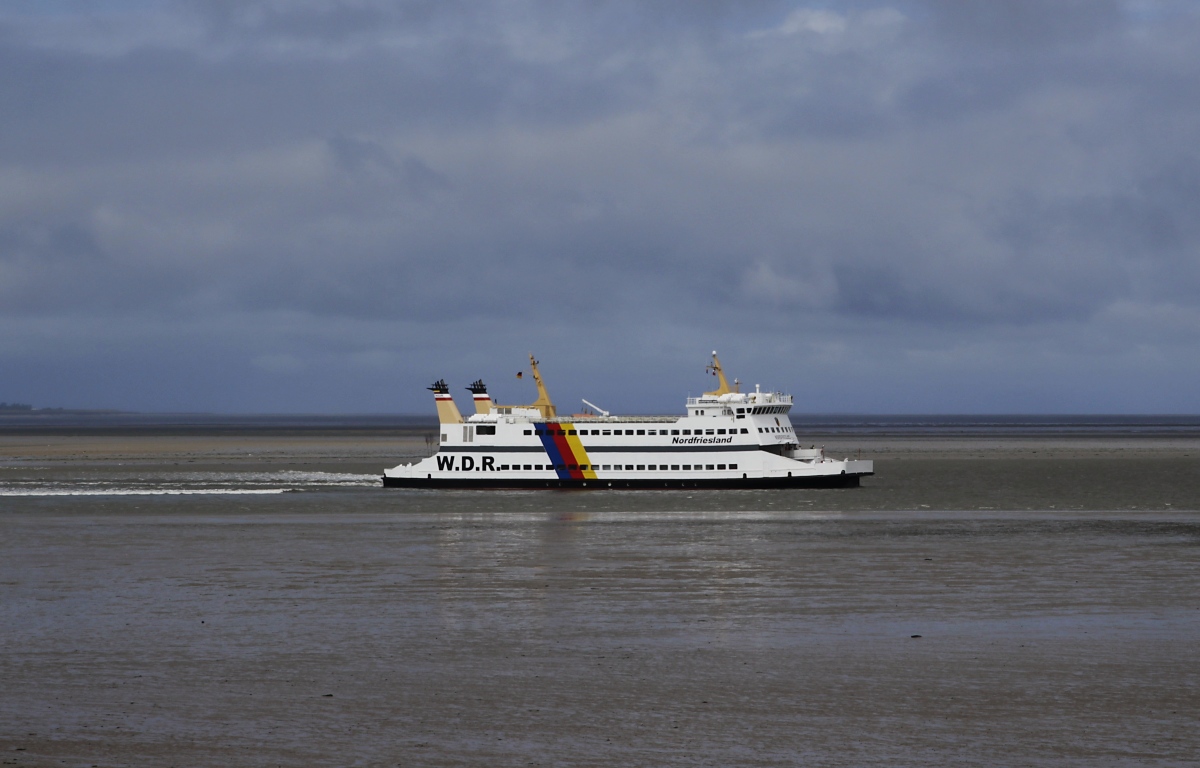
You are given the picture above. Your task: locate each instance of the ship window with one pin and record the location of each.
(560, 466)
(745, 432)
(708, 466)
(485, 429)
(572, 466)
(720, 466)
(503, 467)
(527, 466)
(741, 410)
(720, 431)
(674, 431)
(733, 466)
(607, 432)
(760, 429)
(652, 467)
(529, 431)
(687, 431)
(443, 438)
(675, 466)
(628, 466)
(708, 431)
(607, 467)
(641, 466)
(570, 431)
(641, 431)
(687, 466)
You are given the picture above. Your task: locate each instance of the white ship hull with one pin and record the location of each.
(727, 440)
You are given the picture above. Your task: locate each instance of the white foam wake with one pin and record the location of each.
(135, 491)
(189, 484)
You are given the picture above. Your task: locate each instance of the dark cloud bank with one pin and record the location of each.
(916, 206)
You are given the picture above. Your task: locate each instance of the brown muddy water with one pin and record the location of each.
(260, 601)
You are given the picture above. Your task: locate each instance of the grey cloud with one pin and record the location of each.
(349, 178)
(1024, 24)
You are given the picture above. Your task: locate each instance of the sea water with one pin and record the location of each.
(1026, 599)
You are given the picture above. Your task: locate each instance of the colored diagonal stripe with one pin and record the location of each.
(565, 451)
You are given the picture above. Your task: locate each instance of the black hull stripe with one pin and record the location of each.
(820, 481)
(606, 448)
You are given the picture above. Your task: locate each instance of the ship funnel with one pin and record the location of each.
(483, 401)
(447, 410)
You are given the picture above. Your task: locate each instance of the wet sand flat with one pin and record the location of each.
(1056, 598)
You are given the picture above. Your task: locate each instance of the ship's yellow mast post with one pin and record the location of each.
(723, 387)
(542, 403)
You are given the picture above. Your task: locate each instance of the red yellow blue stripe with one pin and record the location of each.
(565, 450)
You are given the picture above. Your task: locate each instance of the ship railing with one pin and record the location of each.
(589, 419)
(764, 398)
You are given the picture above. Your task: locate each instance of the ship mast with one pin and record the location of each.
(723, 387)
(542, 403)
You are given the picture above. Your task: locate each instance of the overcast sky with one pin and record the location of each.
(963, 206)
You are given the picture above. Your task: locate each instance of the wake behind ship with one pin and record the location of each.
(727, 439)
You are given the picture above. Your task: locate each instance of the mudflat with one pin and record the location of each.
(979, 602)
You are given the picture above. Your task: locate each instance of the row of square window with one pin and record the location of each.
(618, 467)
(743, 431)
(553, 431)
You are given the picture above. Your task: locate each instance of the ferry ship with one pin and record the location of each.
(727, 439)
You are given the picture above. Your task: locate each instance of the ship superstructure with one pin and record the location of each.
(727, 439)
